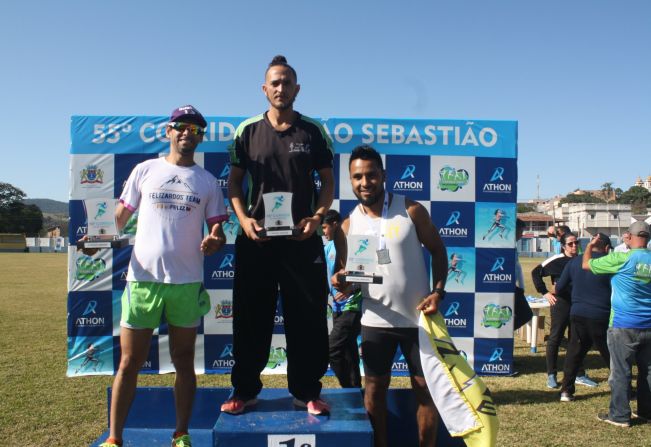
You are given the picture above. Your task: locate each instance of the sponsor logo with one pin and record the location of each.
(400, 365)
(498, 174)
(643, 272)
(225, 359)
(222, 180)
(299, 147)
(227, 261)
(451, 316)
(225, 270)
(496, 316)
(495, 363)
(453, 231)
(91, 174)
(451, 179)
(88, 268)
(89, 317)
(496, 182)
(224, 309)
(277, 356)
(496, 274)
(406, 182)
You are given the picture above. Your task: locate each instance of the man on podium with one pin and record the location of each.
(280, 150)
(390, 310)
(174, 197)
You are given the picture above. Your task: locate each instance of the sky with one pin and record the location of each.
(574, 74)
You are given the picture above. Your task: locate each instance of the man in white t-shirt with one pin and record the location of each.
(174, 197)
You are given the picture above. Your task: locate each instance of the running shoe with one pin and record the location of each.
(235, 405)
(604, 417)
(567, 397)
(316, 407)
(551, 381)
(182, 441)
(585, 381)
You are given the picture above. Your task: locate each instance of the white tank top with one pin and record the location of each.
(405, 279)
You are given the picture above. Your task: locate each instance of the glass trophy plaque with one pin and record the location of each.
(361, 263)
(102, 230)
(278, 219)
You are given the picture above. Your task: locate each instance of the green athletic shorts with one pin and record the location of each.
(143, 304)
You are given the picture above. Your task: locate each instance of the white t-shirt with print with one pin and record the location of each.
(173, 203)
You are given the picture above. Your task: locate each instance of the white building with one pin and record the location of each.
(645, 184)
(586, 219)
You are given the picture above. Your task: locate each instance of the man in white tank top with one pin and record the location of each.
(390, 310)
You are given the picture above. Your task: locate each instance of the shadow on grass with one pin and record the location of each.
(539, 396)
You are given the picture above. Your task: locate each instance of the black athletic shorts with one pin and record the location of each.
(379, 346)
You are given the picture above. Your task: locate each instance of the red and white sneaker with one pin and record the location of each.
(316, 407)
(235, 405)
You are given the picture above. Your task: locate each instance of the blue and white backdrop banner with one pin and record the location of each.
(463, 172)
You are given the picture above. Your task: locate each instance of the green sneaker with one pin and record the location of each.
(182, 441)
(108, 444)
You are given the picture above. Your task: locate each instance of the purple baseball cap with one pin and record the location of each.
(188, 114)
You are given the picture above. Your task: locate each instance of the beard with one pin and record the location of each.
(287, 104)
(371, 200)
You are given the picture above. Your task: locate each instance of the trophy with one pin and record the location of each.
(361, 262)
(102, 229)
(278, 219)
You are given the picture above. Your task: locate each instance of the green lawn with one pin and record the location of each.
(39, 406)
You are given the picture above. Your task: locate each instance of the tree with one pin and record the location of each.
(9, 194)
(639, 197)
(525, 208)
(15, 216)
(581, 198)
(607, 190)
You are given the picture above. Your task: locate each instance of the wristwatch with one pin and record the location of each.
(440, 292)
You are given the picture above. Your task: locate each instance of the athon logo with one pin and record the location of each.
(407, 182)
(225, 270)
(496, 363)
(222, 180)
(277, 356)
(225, 359)
(89, 318)
(451, 316)
(91, 174)
(88, 268)
(496, 183)
(224, 309)
(496, 316)
(452, 227)
(451, 179)
(497, 275)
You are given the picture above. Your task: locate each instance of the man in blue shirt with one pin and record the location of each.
(629, 332)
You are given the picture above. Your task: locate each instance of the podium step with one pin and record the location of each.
(273, 422)
(276, 422)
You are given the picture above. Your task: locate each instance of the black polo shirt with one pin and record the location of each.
(281, 161)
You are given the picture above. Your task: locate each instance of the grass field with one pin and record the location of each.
(39, 406)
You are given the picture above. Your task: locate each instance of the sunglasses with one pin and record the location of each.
(572, 244)
(193, 128)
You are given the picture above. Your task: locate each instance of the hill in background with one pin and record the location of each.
(49, 206)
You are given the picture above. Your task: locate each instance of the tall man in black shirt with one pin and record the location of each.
(280, 150)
